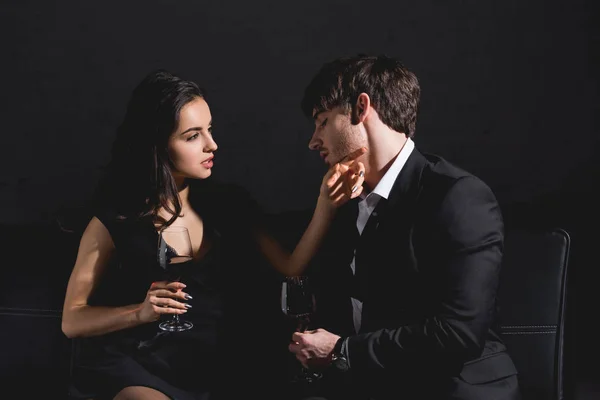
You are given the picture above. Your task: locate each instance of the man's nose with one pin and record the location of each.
(314, 143)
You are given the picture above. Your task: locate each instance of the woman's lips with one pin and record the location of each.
(208, 163)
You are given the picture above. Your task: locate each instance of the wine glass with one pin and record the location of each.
(174, 249)
(298, 303)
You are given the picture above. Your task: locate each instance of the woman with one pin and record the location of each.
(162, 157)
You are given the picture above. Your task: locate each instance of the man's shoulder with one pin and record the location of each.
(439, 167)
(442, 172)
(441, 177)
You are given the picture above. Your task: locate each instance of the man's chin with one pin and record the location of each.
(331, 164)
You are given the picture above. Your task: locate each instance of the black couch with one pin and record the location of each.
(36, 357)
(34, 271)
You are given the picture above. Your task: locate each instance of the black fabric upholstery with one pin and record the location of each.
(34, 270)
(38, 259)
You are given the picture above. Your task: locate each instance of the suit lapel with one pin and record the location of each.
(392, 222)
(406, 187)
(401, 200)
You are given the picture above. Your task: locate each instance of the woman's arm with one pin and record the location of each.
(341, 183)
(79, 319)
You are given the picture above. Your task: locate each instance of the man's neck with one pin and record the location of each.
(381, 156)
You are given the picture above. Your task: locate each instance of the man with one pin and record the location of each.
(409, 279)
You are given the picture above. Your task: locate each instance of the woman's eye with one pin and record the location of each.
(194, 136)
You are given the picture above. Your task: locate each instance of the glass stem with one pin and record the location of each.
(176, 319)
(303, 323)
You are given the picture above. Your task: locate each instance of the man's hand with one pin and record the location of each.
(313, 348)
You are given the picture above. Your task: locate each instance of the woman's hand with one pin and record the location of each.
(163, 298)
(343, 181)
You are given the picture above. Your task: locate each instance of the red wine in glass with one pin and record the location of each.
(174, 251)
(298, 303)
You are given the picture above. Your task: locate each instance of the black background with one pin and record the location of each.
(509, 93)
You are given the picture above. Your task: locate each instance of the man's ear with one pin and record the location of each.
(360, 110)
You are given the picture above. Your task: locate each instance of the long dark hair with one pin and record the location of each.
(138, 180)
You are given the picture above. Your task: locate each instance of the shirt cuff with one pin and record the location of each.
(344, 351)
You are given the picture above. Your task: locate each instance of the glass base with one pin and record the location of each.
(175, 326)
(306, 376)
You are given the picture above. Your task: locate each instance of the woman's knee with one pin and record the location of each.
(140, 393)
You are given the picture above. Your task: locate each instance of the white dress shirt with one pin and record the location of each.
(368, 203)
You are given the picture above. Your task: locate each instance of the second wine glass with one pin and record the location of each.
(298, 303)
(174, 250)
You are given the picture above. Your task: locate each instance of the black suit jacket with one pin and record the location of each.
(429, 275)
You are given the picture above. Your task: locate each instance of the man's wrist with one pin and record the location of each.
(337, 349)
(339, 356)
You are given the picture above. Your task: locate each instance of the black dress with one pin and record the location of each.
(229, 297)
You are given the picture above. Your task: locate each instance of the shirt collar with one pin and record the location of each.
(384, 187)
